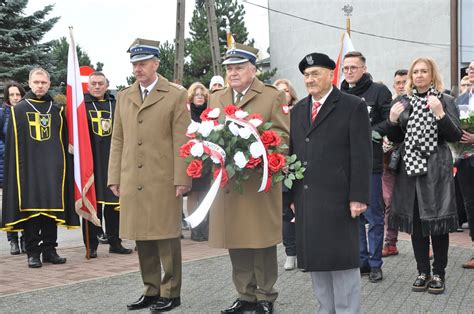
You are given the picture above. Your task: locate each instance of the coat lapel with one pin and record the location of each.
(303, 113)
(328, 106)
(227, 97)
(135, 94)
(255, 88)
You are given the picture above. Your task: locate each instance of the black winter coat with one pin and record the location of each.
(378, 99)
(434, 191)
(336, 151)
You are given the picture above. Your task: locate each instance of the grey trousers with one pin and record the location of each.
(337, 291)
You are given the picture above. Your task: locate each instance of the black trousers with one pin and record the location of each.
(421, 247)
(466, 183)
(41, 235)
(13, 236)
(289, 233)
(112, 218)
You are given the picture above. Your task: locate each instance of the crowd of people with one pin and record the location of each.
(372, 160)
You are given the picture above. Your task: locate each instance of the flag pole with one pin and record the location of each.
(348, 12)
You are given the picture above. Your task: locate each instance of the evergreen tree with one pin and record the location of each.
(20, 35)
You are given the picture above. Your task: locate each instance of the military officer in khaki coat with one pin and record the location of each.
(249, 224)
(145, 170)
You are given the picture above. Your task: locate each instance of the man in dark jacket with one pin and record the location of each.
(330, 134)
(378, 98)
(100, 107)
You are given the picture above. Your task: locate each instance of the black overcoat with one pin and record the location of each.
(337, 152)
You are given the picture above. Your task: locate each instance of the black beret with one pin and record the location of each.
(316, 60)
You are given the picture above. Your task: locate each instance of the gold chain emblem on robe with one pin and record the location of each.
(39, 125)
(100, 125)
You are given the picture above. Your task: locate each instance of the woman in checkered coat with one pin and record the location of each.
(423, 202)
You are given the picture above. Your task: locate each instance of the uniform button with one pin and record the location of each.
(306, 140)
(140, 121)
(305, 187)
(140, 165)
(139, 142)
(140, 188)
(305, 163)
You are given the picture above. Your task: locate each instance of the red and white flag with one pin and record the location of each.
(345, 48)
(79, 140)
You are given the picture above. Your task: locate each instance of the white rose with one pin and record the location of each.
(234, 128)
(206, 128)
(256, 150)
(219, 127)
(239, 159)
(215, 160)
(245, 133)
(255, 122)
(193, 127)
(241, 114)
(214, 113)
(197, 150)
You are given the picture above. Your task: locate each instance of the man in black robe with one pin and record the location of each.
(39, 191)
(100, 106)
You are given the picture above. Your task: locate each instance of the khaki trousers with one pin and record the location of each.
(254, 273)
(156, 253)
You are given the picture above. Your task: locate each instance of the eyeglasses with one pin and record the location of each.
(351, 68)
(199, 95)
(469, 69)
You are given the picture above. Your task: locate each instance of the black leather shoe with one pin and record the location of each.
(92, 254)
(14, 248)
(165, 304)
(143, 302)
(436, 285)
(240, 306)
(119, 249)
(264, 307)
(375, 275)
(364, 270)
(34, 261)
(421, 283)
(53, 257)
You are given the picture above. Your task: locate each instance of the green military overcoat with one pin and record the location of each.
(144, 160)
(252, 219)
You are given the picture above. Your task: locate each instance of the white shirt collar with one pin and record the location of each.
(323, 99)
(243, 92)
(150, 87)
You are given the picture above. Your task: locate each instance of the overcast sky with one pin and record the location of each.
(105, 29)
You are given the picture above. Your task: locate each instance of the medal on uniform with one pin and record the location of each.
(105, 123)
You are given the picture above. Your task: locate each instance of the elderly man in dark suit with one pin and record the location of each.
(330, 134)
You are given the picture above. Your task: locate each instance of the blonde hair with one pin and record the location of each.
(291, 90)
(436, 78)
(192, 91)
(38, 70)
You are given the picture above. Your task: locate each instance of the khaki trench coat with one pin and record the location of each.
(144, 160)
(252, 219)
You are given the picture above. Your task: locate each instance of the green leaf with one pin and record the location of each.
(291, 159)
(299, 175)
(288, 183)
(230, 171)
(297, 165)
(221, 142)
(291, 176)
(267, 125)
(189, 159)
(283, 146)
(279, 178)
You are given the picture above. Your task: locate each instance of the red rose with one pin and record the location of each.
(276, 162)
(204, 115)
(225, 177)
(270, 138)
(253, 162)
(254, 116)
(184, 150)
(194, 169)
(230, 110)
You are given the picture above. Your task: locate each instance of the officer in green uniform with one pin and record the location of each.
(39, 180)
(250, 224)
(100, 107)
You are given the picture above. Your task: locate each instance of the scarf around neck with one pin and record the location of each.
(360, 87)
(421, 138)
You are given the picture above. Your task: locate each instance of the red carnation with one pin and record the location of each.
(204, 115)
(276, 162)
(230, 110)
(194, 169)
(184, 150)
(253, 162)
(225, 177)
(270, 138)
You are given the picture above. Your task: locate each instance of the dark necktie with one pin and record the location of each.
(238, 98)
(314, 110)
(145, 93)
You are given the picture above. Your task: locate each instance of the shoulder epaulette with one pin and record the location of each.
(176, 85)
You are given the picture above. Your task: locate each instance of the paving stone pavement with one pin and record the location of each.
(207, 288)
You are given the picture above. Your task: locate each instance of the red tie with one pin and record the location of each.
(314, 110)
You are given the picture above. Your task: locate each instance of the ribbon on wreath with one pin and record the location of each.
(218, 156)
(254, 132)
